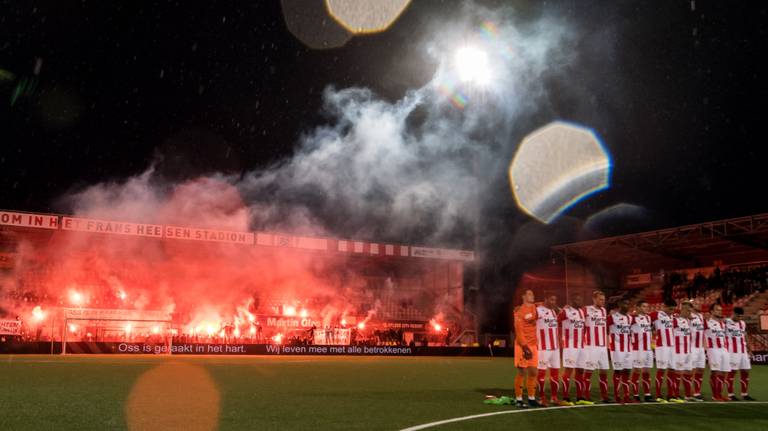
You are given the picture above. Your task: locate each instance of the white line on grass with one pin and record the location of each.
(547, 409)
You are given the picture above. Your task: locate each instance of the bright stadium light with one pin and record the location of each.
(38, 314)
(76, 298)
(472, 66)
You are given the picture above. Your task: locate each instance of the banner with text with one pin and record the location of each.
(104, 226)
(10, 327)
(197, 234)
(442, 253)
(29, 220)
(115, 314)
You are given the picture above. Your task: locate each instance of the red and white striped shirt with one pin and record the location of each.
(737, 335)
(595, 324)
(642, 331)
(620, 328)
(697, 331)
(546, 328)
(714, 332)
(572, 324)
(682, 331)
(662, 324)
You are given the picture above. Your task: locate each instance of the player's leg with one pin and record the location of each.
(662, 363)
(583, 379)
(570, 357)
(567, 375)
(554, 377)
(625, 385)
(520, 365)
(541, 375)
(604, 366)
(634, 382)
(745, 366)
(531, 386)
(688, 384)
(733, 358)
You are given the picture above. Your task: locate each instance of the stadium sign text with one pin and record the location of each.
(29, 220)
(10, 327)
(104, 226)
(196, 234)
(279, 322)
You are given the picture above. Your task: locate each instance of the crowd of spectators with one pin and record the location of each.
(732, 284)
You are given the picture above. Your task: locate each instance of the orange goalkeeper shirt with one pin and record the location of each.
(525, 325)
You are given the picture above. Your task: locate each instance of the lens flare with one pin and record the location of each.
(366, 16)
(555, 167)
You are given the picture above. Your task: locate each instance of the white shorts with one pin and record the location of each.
(642, 359)
(549, 359)
(681, 362)
(698, 358)
(596, 358)
(740, 361)
(622, 360)
(663, 357)
(574, 358)
(719, 360)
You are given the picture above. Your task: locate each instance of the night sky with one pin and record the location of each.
(675, 89)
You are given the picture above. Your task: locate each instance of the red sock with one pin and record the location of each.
(719, 381)
(541, 376)
(659, 382)
(674, 384)
(617, 384)
(554, 382)
(603, 385)
(670, 384)
(579, 383)
(729, 381)
(688, 385)
(698, 378)
(635, 383)
(586, 385)
(713, 385)
(625, 385)
(744, 382)
(646, 383)
(567, 383)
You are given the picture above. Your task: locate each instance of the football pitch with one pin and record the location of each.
(299, 392)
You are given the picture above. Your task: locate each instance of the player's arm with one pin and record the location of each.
(518, 318)
(654, 315)
(560, 319)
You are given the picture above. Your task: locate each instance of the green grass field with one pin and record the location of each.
(295, 393)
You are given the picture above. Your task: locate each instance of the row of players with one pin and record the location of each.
(681, 342)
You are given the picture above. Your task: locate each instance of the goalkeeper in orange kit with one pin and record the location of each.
(526, 352)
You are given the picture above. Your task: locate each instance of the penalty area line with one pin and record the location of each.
(547, 409)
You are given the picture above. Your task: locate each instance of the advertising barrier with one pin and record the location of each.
(243, 349)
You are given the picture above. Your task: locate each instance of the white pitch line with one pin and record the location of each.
(547, 409)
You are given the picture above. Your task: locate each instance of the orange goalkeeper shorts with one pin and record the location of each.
(520, 360)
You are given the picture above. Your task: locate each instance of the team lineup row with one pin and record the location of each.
(680, 341)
